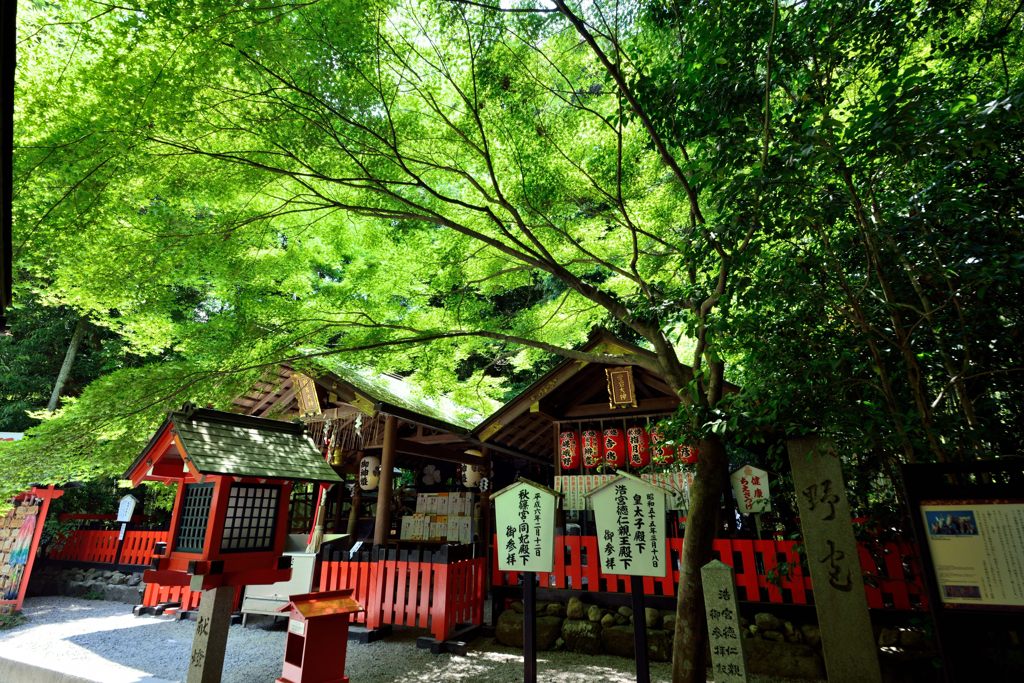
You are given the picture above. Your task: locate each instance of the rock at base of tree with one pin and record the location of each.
(594, 613)
(811, 634)
(767, 622)
(121, 593)
(509, 630)
(608, 620)
(618, 640)
(774, 636)
(574, 609)
(625, 612)
(659, 645)
(517, 606)
(668, 622)
(582, 636)
(915, 639)
(888, 637)
(783, 660)
(653, 617)
(548, 631)
(555, 609)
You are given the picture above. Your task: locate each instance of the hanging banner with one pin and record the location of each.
(525, 525)
(630, 517)
(750, 486)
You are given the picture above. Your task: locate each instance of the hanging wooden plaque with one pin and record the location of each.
(621, 389)
(305, 394)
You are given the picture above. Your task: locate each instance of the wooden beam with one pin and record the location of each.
(522, 404)
(647, 405)
(437, 438)
(274, 399)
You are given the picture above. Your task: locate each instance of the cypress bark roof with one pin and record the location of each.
(216, 442)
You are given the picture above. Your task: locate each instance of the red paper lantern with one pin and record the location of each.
(638, 447)
(569, 449)
(614, 448)
(661, 453)
(591, 448)
(688, 454)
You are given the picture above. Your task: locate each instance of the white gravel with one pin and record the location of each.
(103, 642)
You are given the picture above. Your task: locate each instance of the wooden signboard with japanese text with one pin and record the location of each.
(525, 516)
(750, 486)
(630, 518)
(847, 638)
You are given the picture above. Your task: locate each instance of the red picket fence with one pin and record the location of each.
(765, 571)
(88, 546)
(156, 593)
(100, 547)
(437, 590)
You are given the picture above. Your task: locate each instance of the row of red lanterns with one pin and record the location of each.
(636, 446)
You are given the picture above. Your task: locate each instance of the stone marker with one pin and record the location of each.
(211, 638)
(725, 633)
(847, 639)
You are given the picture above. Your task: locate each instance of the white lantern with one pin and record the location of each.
(472, 474)
(369, 472)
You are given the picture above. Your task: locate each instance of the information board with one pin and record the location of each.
(977, 550)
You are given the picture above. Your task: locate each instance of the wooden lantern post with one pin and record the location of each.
(230, 517)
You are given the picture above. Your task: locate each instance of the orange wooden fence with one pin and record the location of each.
(766, 571)
(100, 547)
(437, 590)
(156, 593)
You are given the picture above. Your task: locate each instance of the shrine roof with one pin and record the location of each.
(216, 442)
(389, 392)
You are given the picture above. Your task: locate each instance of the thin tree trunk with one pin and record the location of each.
(65, 368)
(689, 645)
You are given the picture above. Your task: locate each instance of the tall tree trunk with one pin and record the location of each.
(689, 646)
(65, 368)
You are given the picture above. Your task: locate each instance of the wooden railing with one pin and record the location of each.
(765, 571)
(437, 590)
(100, 547)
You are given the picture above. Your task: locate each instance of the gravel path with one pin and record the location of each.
(102, 641)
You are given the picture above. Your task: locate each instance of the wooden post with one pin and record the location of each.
(529, 627)
(382, 523)
(485, 511)
(643, 666)
(211, 638)
(847, 639)
(353, 514)
(48, 494)
(120, 545)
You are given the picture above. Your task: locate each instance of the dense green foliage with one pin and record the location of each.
(822, 199)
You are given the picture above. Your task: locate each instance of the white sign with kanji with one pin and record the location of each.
(126, 508)
(525, 525)
(750, 486)
(630, 517)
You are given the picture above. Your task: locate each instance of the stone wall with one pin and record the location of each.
(776, 648)
(97, 584)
